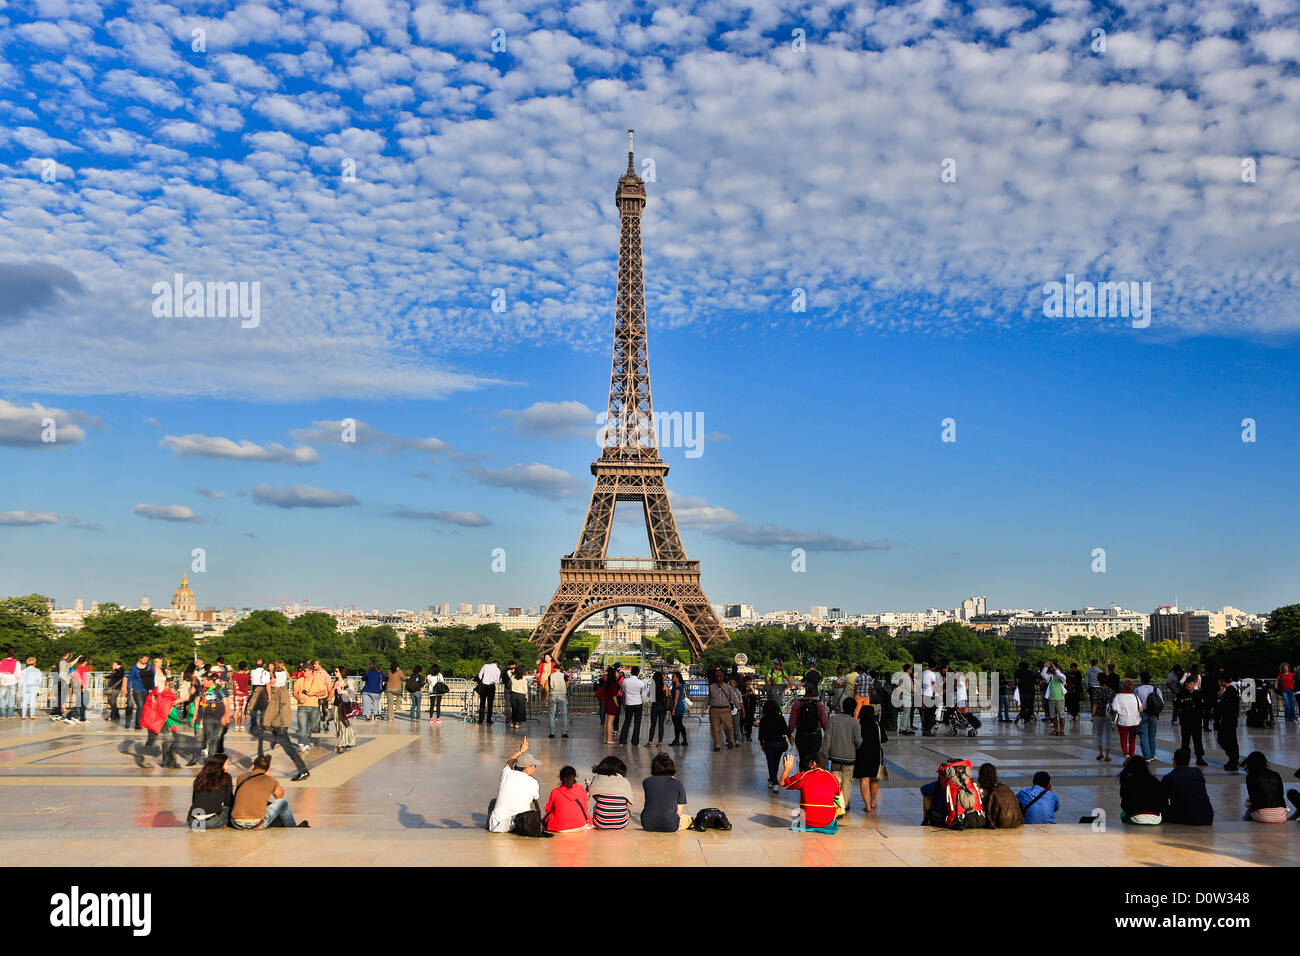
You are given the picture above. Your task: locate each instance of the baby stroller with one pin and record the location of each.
(958, 721)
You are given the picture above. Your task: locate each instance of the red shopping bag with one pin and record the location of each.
(157, 706)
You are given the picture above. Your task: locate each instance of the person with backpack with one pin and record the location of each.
(437, 682)
(808, 718)
(817, 789)
(1152, 705)
(415, 687)
(1038, 803)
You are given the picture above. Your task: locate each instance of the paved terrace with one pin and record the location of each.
(416, 794)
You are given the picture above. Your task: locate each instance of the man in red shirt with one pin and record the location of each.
(817, 787)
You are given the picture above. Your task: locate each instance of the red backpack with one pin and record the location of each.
(153, 715)
(965, 807)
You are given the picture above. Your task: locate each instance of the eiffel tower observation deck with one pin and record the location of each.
(629, 469)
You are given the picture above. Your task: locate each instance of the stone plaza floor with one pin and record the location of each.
(416, 794)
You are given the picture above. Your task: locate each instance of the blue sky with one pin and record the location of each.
(774, 169)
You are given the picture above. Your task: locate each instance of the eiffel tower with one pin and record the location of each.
(629, 469)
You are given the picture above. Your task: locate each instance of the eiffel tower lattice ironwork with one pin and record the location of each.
(629, 469)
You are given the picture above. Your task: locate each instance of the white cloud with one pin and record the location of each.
(29, 427)
(568, 419)
(465, 519)
(534, 478)
(19, 518)
(167, 513)
(214, 447)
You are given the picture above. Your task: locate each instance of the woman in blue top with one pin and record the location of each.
(677, 701)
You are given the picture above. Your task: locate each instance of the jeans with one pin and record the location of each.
(1288, 699)
(658, 713)
(369, 704)
(1102, 729)
(416, 698)
(773, 751)
(29, 701)
(80, 699)
(308, 722)
(558, 704)
(212, 733)
(138, 698)
(255, 720)
(905, 717)
(280, 736)
(7, 695)
(632, 724)
(1004, 707)
(1147, 736)
(278, 814)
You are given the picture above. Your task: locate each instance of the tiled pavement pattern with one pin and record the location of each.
(417, 793)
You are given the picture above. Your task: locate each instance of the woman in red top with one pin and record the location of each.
(608, 693)
(566, 807)
(240, 679)
(81, 689)
(1286, 684)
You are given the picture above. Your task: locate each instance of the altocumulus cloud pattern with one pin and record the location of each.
(381, 168)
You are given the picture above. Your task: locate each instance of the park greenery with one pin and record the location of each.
(114, 633)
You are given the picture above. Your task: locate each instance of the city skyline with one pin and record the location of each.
(877, 399)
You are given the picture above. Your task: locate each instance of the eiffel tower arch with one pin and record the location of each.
(629, 469)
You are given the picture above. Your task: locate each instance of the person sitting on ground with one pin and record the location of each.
(817, 789)
(1038, 803)
(1001, 808)
(1185, 793)
(665, 798)
(843, 738)
(259, 801)
(213, 796)
(1264, 803)
(566, 807)
(517, 790)
(611, 795)
(1141, 798)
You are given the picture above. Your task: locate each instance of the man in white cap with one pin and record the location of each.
(516, 791)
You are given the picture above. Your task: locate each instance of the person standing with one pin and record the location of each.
(139, 681)
(63, 686)
(489, 675)
(29, 684)
(861, 689)
(843, 740)
(557, 705)
(1286, 686)
(839, 690)
(808, 718)
(393, 690)
(1227, 710)
(737, 708)
(773, 738)
(1054, 697)
(437, 688)
(545, 668)
(720, 713)
(309, 690)
(1092, 679)
(869, 762)
(346, 735)
(372, 691)
(1128, 717)
(749, 713)
(258, 678)
(658, 708)
(10, 670)
(633, 698)
(415, 688)
(213, 716)
(1188, 705)
(905, 698)
(930, 700)
(1073, 691)
(241, 686)
(276, 720)
(1102, 697)
(1151, 704)
(517, 683)
(607, 694)
(677, 705)
(79, 684)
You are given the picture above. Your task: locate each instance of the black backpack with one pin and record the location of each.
(1155, 703)
(809, 715)
(711, 818)
(414, 683)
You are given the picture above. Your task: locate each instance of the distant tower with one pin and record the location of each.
(183, 599)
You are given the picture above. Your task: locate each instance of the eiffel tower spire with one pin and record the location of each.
(629, 419)
(630, 470)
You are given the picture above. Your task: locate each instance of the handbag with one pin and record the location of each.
(528, 823)
(440, 688)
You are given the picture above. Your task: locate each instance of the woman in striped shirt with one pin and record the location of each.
(611, 795)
